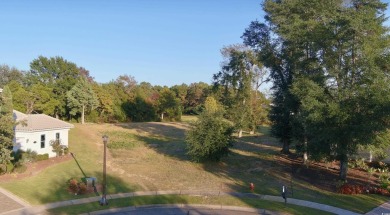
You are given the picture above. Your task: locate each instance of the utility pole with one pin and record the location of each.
(104, 201)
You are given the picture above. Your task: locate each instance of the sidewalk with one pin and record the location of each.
(9, 202)
(381, 210)
(42, 208)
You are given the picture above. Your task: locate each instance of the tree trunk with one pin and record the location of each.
(162, 116)
(343, 167)
(240, 133)
(305, 151)
(82, 115)
(370, 156)
(286, 147)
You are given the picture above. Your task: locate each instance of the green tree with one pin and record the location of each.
(196, 95)
(211, 106)
(56, 73)
(22, 99)
(181, 93)
(237, 77)
(105, 100)
(210, 138)
(6, 127)
(168, 105)
(333, 56)
(81, 98)
(8, 74)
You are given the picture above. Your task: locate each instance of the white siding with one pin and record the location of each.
(32, 140)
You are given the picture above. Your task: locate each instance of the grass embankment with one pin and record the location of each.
(152, 156)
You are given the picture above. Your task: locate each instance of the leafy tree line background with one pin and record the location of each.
(62, 89)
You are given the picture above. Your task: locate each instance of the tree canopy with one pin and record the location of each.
(328, 61)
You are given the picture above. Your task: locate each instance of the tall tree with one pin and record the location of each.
(6, 127)
(334, 55)
(168, 105)
(237, 78)
(196, 95)
(56, 73)
(81, 98)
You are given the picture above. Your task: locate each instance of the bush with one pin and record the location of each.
(17, 155)
(29, 156)
(210, 138)
(93, 116)
(73, 186)
(19, 168)
(352, 189)
(42, 157)
(66, 151)
(384, 179)
(82, 188)
(77, 187)
(10, 167)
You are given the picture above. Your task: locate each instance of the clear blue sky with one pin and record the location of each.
(164, 42)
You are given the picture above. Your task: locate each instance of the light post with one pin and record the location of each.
(104, 201)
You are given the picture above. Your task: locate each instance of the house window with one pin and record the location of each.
(42, 141)
(57, 136)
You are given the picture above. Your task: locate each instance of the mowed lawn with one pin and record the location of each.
(152, 156)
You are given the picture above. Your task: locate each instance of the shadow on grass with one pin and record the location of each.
(256, 159)
(122, 202)
(164, 138)
(58, 189)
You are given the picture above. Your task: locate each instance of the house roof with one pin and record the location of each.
(38, 122)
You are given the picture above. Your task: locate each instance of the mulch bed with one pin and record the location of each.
(325, 175)
(34, 168)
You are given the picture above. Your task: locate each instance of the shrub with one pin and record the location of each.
(210, 138)
(17, 155)
(82, 188)
(77, 187)
(73, 186)
(29, 156)
(384, 180)
(19, 168)
(57, 146)
(66, 150)
(10, 167)
(42, 157)
(351, 189)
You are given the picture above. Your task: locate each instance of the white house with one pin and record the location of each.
(35, 131)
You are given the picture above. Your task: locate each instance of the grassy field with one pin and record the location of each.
(152, 156)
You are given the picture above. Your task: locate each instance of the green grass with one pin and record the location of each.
(189, 118)
(152, 156)
(176, 199)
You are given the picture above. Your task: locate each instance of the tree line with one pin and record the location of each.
(62, 89)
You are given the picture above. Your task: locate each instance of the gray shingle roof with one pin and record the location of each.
(38, 122)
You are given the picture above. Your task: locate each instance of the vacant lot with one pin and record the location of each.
(152, 156)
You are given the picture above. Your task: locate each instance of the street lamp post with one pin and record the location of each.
(104, 201)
